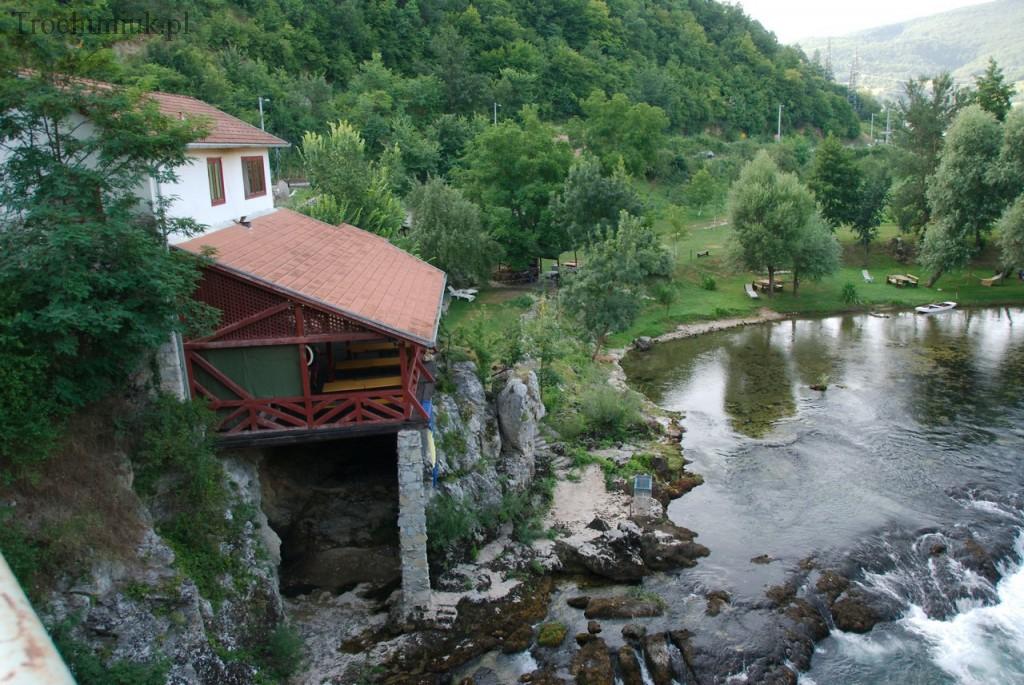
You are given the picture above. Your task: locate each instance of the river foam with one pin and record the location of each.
(983, 644)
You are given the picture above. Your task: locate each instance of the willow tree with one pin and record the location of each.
(768, 211)
(964, 193)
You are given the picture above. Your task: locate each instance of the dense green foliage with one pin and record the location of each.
(511, 171)
(604, 294)
(769, 211)
(446, 231)
(991, 91)
(350, 187)
(589, 204)
(835, 182)
(88, 285)
(925, 111)
(705, 64)
(963, 195)
(176, 460)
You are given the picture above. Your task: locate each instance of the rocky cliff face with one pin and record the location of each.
(487, 448)
(144, 609)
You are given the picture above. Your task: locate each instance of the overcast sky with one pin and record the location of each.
(792, 20)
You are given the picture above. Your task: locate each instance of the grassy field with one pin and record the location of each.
(729, 299)
(496, 310)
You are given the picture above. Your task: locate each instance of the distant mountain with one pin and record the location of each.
(960, 41)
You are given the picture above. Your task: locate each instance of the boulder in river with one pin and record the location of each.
(853, 614)
(623, 606)
(629, 666)
(592, 665)
(659, 661)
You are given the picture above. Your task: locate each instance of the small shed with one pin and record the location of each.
(323, 329)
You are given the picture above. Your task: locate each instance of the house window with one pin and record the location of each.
(215, 174)
(253, 178)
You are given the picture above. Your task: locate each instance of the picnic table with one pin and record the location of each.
(902, 280)
(763, 284)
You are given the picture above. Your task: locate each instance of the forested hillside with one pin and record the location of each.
(960, 41)
(707, 65)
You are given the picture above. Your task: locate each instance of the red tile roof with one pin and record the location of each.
(360, 275)
(225, 129)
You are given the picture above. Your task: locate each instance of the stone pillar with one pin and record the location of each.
(412, 523)
(170, 361)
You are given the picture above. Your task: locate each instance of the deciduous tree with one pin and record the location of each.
(835, 181)
(1011, 235)
(589, 205)
(358, 188)
(872, 196)
(604, 294)
(815, 252)
(511, 170)
(616, 128)
(447, 232)
(963, 195)
(768, 211)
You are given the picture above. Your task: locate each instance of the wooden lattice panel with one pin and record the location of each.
(238, 300)
(235, 299)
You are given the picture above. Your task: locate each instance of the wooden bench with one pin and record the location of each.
(992, 280)
(370, 383)
(374, 362)
(705, 253)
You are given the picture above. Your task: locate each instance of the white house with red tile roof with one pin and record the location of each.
(228, 175)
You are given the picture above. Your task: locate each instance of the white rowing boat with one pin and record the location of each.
(935, 307)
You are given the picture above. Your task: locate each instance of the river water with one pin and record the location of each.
(917, 442)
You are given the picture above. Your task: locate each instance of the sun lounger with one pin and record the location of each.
(751, 293)
(868, 278)
(992, 280)
(468, 294)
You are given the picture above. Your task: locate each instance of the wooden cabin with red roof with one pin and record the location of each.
(323, 331)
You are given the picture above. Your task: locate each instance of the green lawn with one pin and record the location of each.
(496, 310)
(693, 303)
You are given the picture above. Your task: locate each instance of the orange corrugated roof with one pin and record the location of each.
(225, 129)
(358, 274)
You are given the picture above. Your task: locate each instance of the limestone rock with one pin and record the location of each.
(520, 410)
(629, 552)
(622, 606)
(592, 665)
(643, 343)
(629, 665)
(853, 614)
(659, 663)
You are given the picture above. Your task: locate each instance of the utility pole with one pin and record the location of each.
(496, 106)
(888, 128)
(261, 100)
(778, 137)
(872, 128)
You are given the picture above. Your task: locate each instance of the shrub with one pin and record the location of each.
(449, 521)
(283, 653)
(849, 294)
(609, 412)
(176, 455)
(88, 669)
(707, 282)
(23, 555)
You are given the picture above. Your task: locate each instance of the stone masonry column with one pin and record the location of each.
(412, 524)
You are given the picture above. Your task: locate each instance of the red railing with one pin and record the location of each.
(323, 411)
